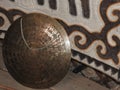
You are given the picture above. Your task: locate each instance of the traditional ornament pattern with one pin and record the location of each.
(93, 26)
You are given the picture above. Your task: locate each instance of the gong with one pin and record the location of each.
(36, 51)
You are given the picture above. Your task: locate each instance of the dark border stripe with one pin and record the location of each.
(53, 4)
(85, 8)
(72, 7)
(40, 2)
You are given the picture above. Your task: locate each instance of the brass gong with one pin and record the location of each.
(37, 51)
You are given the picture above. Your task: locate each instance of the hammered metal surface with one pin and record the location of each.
(36, 51)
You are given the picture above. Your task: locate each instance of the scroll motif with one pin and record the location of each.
(110, 52)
